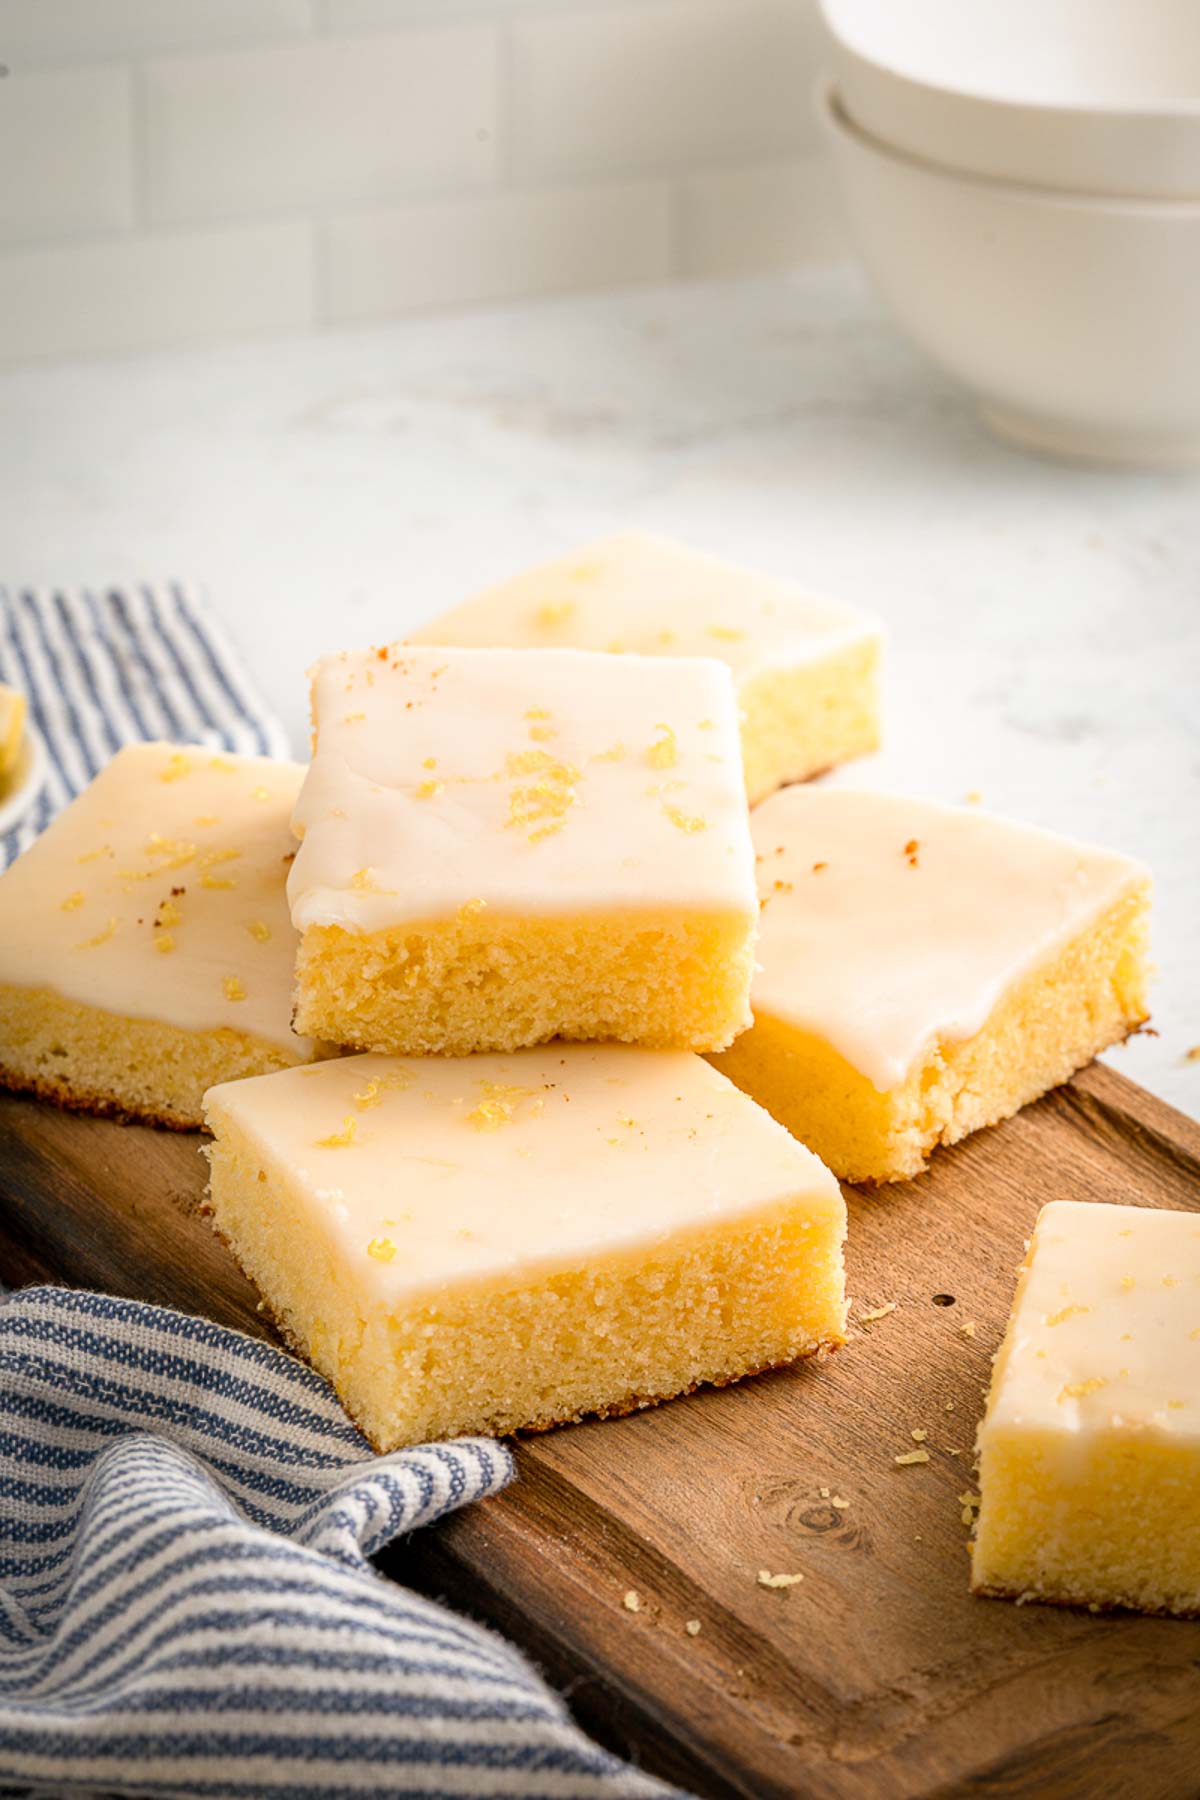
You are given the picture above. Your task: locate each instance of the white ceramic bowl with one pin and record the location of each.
(1075, 322)
(20, 791)
(1095, 96)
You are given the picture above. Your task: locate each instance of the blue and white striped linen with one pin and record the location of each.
(186, 1608)
(109, 666)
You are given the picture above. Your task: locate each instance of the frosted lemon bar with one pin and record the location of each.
(926, 970)
(807, 670)
(504, 1242)
(504, 846)
(1090, 1448)
(145, 944)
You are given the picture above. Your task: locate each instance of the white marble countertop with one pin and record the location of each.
(1044, 620)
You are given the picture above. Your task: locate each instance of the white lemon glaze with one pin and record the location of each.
(536, 783)
(888, 923)
(181, 844)
(638, 592)
(1105, 1328)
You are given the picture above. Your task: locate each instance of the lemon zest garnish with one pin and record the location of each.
(727, 634)
(554, 612)
(259, 930)
(382, 1249)
(429, 790)
(337, 1140)
(1079, 1390)
(688, 822)
(233, 988)
(178, 764)
(663, 752)
(164, 942)
(101, 937)
(498, 1105)
(74, 901)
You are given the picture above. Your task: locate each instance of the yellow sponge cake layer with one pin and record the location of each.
(503, 846)
(926, 971)
(1090, 1448)
(145, 945)
(807, 670)
(506, 1242)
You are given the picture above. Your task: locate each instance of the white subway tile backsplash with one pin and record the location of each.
(33, 31)
(736, 221)
(658, 82)
(497, 247)
(322, 124)
(178, 288)
(65, 152)
(175, 170)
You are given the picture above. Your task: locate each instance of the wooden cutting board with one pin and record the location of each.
(878, 1675)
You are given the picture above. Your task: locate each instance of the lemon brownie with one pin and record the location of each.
(926, 970)
(1089, 1450)
(145, 945)
(503, 846)
(496, 1243)
(807, 670)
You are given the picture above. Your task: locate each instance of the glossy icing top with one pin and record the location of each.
(888, 923)
(638, 592)
(543, 782)
(159, 894)
(1105, 1329)
(423, 1171)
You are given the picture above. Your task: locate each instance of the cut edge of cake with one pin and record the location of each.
(801, 719)
(479, 982)
(137, 1070)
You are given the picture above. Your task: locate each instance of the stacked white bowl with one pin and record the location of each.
(1022, 178)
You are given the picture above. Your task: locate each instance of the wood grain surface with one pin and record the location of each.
(877, 1675)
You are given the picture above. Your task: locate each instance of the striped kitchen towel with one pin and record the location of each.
(186, 1604)
(108, 666)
